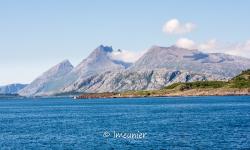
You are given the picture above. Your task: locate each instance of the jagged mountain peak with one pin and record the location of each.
(103, 49)
(98, 60)
(60, 68)
(99, 52)
(65, 61)
(64, 64)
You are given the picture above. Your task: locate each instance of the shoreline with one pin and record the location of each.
(185, 93)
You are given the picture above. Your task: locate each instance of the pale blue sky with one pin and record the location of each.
(35, 35)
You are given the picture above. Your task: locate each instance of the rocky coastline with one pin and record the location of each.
(192, 92)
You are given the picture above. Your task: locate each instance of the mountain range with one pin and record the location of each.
(11, 88)
(158, 67)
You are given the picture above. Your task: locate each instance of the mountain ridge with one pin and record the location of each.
(97, 62)
(42, 82)
(100, 73)
(12, 88)
(192, 60)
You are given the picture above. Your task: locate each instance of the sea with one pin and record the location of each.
(180, 123)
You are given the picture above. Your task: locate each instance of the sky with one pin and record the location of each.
(35, 35)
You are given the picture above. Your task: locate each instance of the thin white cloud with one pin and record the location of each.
(240, 49)
(185, 43)
(126, 56)
(174, 26)
(214, 46)
(208, 45)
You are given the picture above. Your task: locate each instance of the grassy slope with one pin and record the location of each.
(237, 85)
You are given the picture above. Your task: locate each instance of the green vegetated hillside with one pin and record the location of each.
(240, 81)
(238, 85)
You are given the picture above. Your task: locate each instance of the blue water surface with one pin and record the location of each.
(168, 123)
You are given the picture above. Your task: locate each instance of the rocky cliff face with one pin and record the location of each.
(11, 88)
(117, 81)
